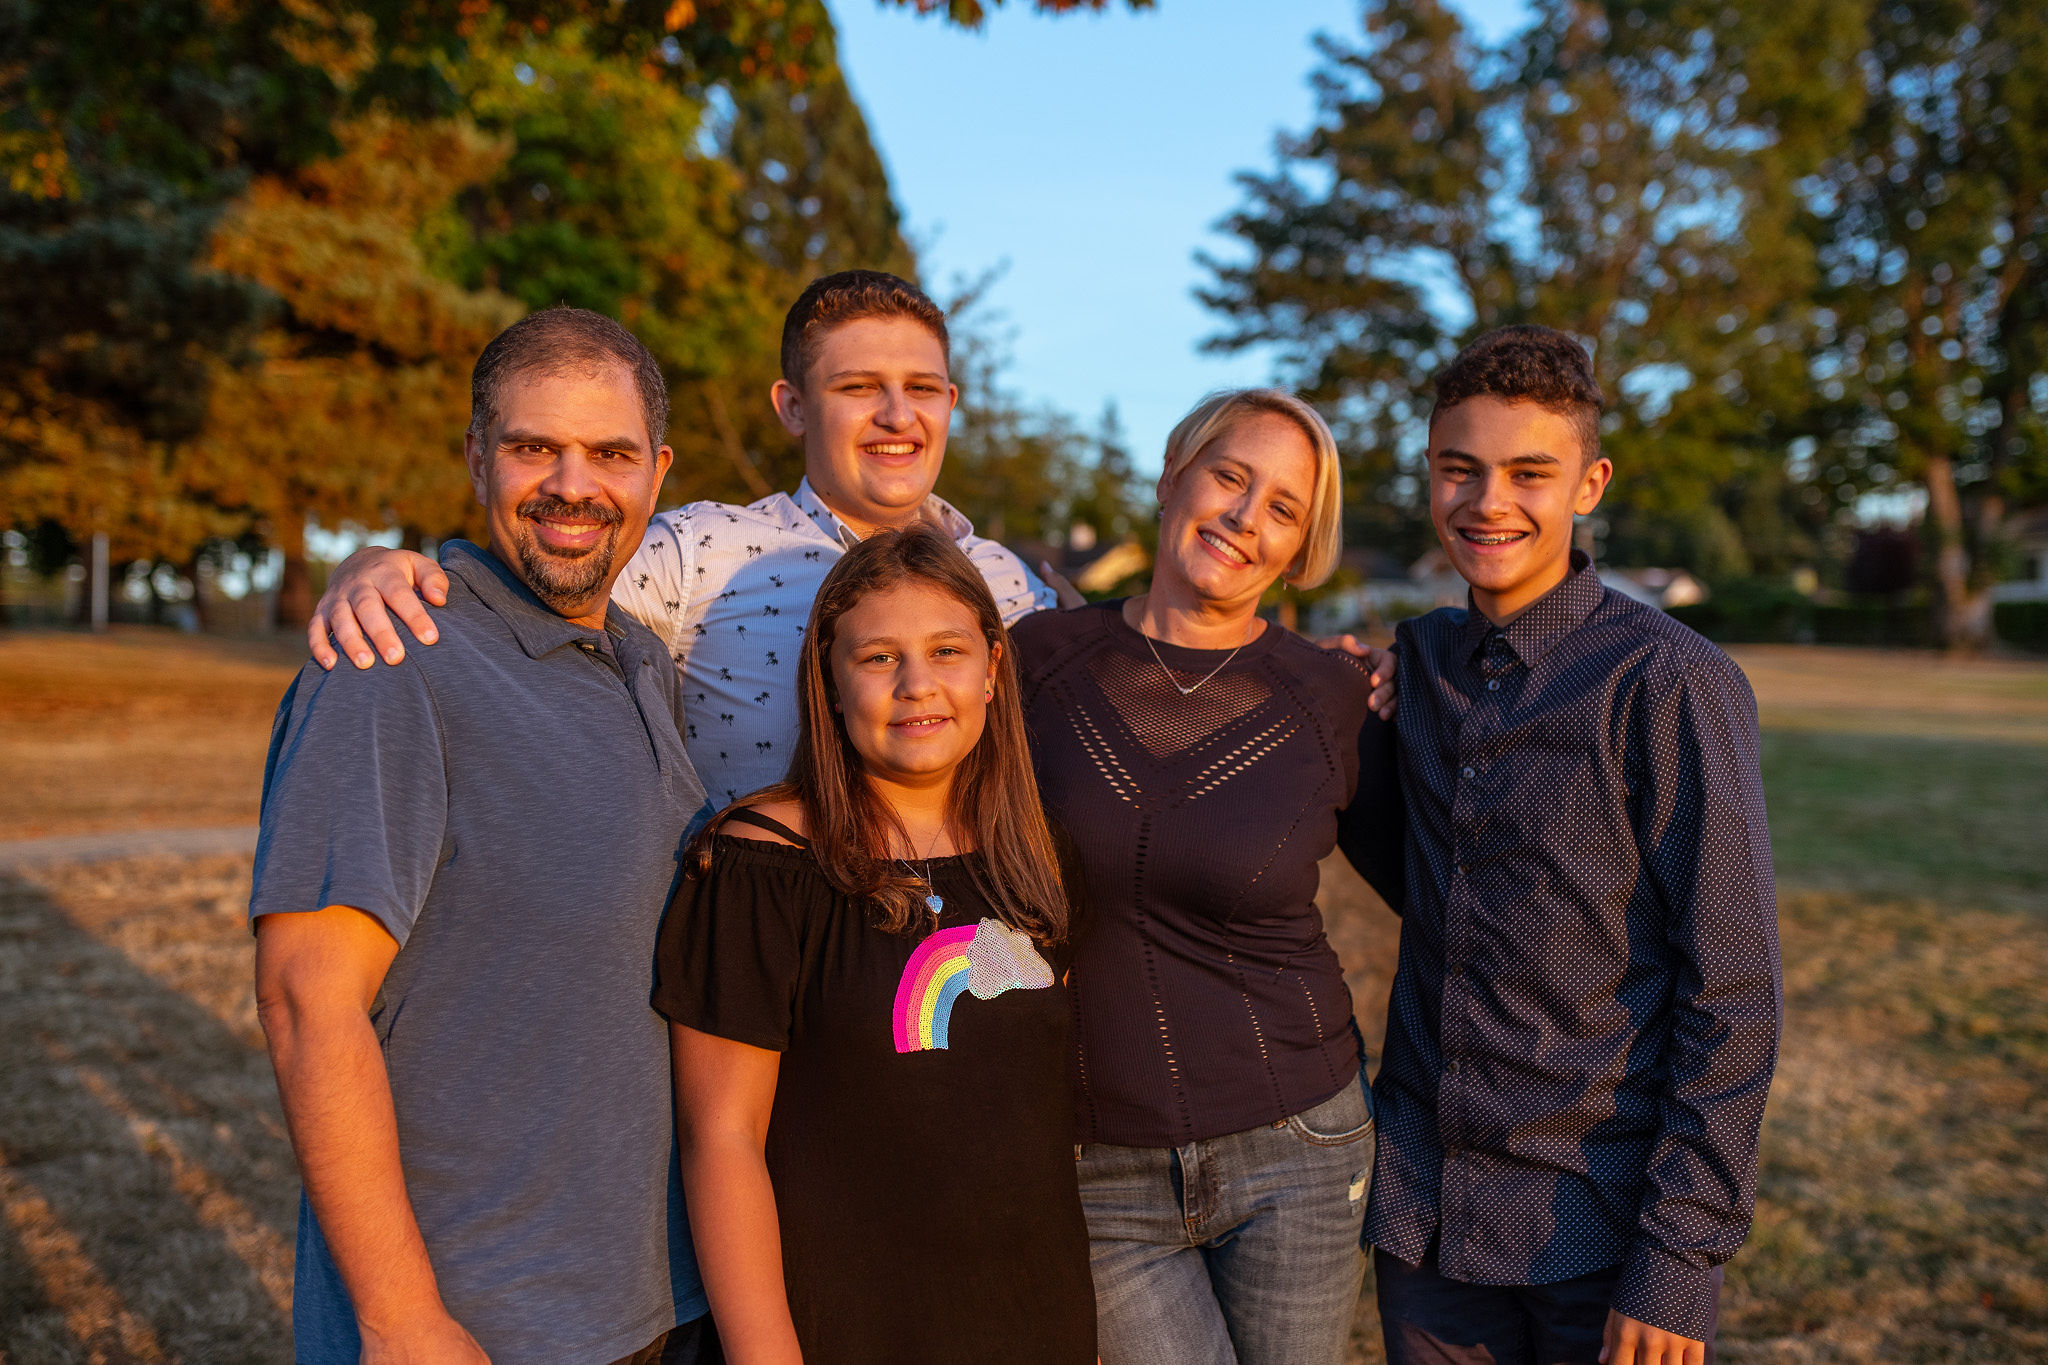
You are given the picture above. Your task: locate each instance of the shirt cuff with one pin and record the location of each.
(1667, 1293)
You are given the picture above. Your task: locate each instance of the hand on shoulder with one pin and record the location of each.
(1379, 665)
(364, 592)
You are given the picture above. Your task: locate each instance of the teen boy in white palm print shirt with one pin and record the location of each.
(728, 588)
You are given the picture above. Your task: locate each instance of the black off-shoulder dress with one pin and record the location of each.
(920, 1143)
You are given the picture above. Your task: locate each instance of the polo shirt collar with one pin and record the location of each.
(936, 510)
(1548, 619)
(538, 628)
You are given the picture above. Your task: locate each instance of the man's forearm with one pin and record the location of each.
(344, 1130)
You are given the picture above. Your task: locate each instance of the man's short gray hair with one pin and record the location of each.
(557, 339)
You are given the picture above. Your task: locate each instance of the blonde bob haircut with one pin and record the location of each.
(1323, 541)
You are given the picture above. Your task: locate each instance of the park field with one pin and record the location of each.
(147, 1196)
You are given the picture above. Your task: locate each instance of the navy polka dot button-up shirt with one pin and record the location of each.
(1585, 1017)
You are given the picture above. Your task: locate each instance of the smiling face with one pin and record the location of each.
(1234, 518)
(872, 413)
(567, 476)
(1505, 480)
(912, 671)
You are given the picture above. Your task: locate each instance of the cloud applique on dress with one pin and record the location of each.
(982, 960)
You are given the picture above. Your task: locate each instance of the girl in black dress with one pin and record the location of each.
(864, 979)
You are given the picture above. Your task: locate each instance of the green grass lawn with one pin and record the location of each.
(1903, 1196)
(1961, 820)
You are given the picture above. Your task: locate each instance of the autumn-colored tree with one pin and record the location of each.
(353, 411)
(248, 251)
(124, 130)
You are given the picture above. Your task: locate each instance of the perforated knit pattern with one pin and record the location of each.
(1207, 1000)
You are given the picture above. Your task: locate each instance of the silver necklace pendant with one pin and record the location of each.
(933, 901)
(1187, 691)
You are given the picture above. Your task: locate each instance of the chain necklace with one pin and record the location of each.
(933, 901)
(1190, 690)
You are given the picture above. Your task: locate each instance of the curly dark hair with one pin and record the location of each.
(1528, 364)
(848, 296)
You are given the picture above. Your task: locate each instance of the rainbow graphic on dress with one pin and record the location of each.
(982, 960)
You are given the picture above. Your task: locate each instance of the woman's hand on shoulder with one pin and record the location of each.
(1379, 664)
(364, 592)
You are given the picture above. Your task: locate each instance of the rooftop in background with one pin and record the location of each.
(1093, 152)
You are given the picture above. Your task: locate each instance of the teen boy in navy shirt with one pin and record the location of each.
(1585, 1017)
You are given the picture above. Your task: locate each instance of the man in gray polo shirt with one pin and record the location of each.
(462, 865)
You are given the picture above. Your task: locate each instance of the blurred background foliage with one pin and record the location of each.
(249, 250)
(1804, 242)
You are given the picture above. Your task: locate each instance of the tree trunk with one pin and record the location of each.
(201, 610)
(294, 583)
(1965, 617)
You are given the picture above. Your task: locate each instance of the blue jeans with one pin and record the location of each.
(1237, 1250)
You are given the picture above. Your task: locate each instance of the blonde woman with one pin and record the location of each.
(1205, 761)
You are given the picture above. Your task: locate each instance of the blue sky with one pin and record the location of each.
(1092, 153)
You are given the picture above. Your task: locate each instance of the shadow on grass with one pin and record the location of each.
(147, 1188)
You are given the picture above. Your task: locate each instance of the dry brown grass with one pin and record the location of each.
(148, 1191)
(147, 1196)
(137, 728)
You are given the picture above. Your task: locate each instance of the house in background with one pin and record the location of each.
(2029, 533)
(1385, 599)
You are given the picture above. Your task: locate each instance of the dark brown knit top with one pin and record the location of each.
(1206, 999)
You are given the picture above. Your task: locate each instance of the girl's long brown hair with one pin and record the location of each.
(994, 806)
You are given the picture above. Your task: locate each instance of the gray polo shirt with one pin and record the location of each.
(510, 804)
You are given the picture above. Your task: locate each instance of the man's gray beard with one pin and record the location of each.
(567, 583)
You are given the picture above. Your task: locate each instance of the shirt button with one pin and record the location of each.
(1465, 772)
(1493, 684)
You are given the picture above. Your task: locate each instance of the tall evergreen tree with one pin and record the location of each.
(1622, 172)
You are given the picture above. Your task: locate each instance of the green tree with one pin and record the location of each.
(1626, 173)
(1933, 221)
(1110, 498)
(248, 250)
